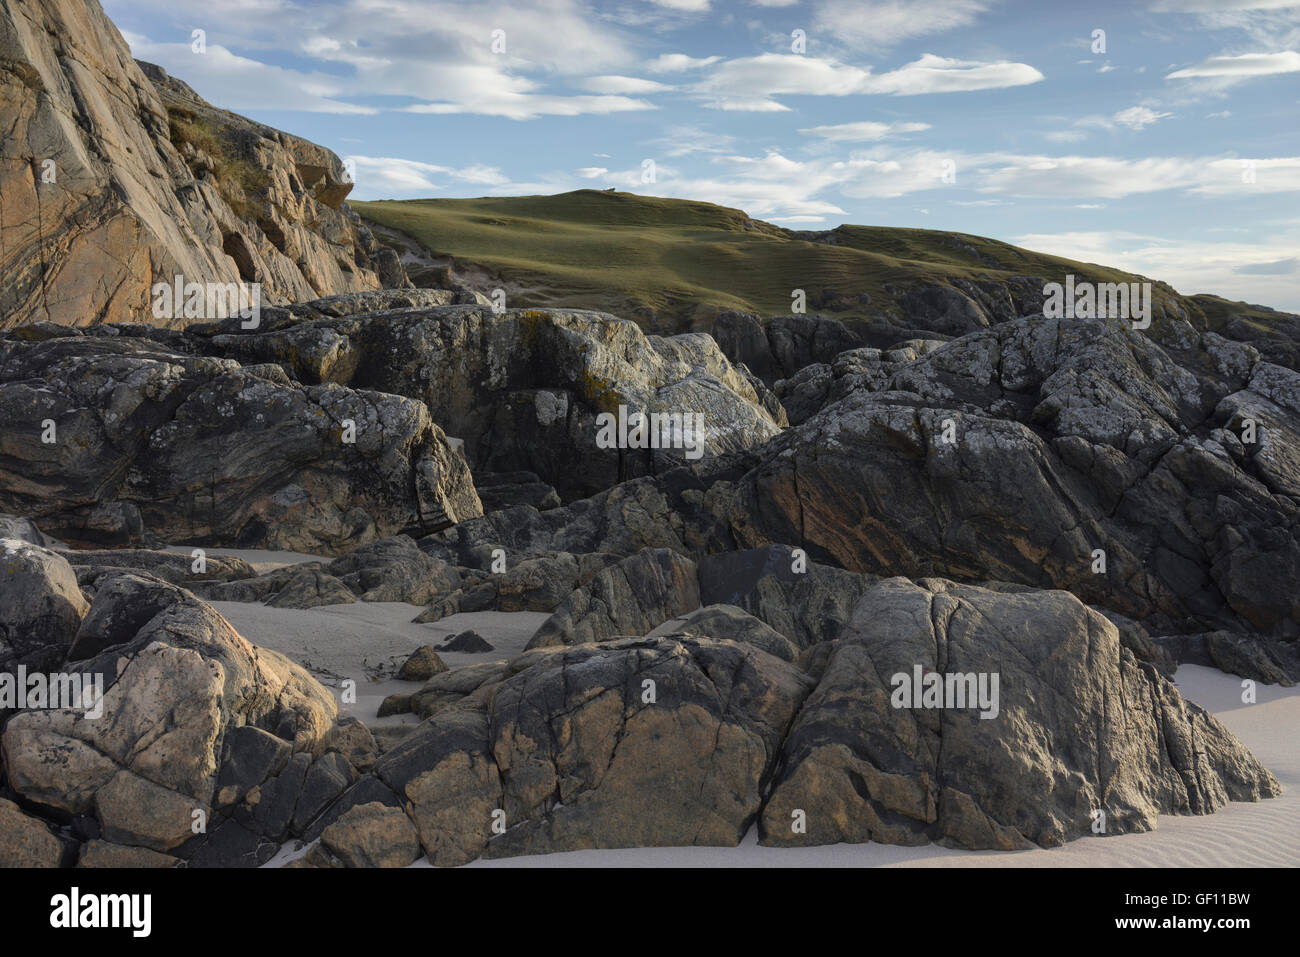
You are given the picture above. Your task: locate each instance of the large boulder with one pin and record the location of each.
(1050, 727)
(372, 835)
(202, 743)
(636, 743)
(394, 569)
(42, 606)
(200, 450)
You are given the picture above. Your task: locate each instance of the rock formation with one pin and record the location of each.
(923, 581)
(189, 448)
(114, 176)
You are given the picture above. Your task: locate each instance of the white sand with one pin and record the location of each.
(263, 561)
(354, 641)
(349, 640)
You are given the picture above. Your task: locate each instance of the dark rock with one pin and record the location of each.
(687, 767)
(422, 665)
(507, 489)
(328, 777)
(859, 768)
(394, 704)
(467, 642)
(177, 568)
(1246, 655)
(1111, 440)
(310, 588)
(628, 598)
(42, 606)
(730, 623)
(198, 450)
(394, 569)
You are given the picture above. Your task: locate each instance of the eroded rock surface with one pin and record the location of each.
(203, 451)
(114, 176)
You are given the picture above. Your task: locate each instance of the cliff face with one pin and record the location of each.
(114, 176)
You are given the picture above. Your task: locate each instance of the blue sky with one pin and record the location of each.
(1174, 153)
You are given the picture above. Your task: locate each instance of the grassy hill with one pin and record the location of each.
(673, 264)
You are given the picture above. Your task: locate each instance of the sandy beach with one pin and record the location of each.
(350, 640)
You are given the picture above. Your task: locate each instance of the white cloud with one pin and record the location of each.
(528, 106)
(592, 172)
(1136, 117)
(679, 62)
(685, 140)
(1246, 65)
(1233, 270)
(1133, 118)
(371, 49)
(935, 74)
(880, 24)
(246, 84)
(691, 6)
(865, 130)
(1098, 177)
(389, 176)
(1212, 6)
(621, 84)
(746, 104)
(750, 82)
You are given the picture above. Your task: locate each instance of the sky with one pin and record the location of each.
(1158, 136)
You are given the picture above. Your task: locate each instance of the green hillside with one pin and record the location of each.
(672, 264)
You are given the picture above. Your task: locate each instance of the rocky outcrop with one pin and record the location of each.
(670, 743)
(1017, 453)
(817, 385)
(114, 176)
(628, 598)
(730, 623)
(180, 568)
(311, 587)
(1075, 728)
(205, 749)
(524, 389)
(111, 435)
(686, 738)
(1248, 655)
(499, 490)
(212, 751)
(781, 346)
